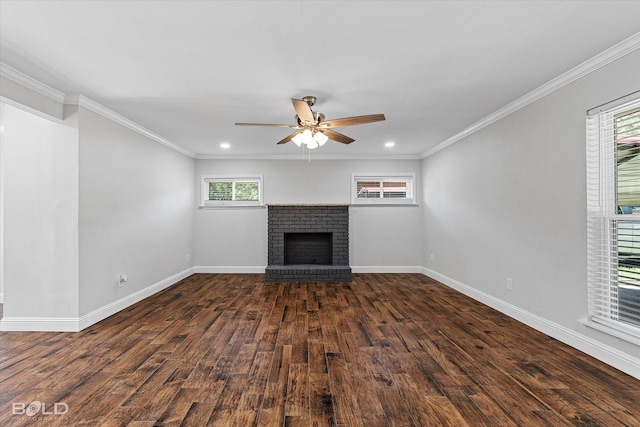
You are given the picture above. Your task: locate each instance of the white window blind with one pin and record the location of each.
(613, 215)
(384, 189)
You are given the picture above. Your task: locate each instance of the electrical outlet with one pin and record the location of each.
(509, 284)
(188, 257)
(122, 278)
(431, 258)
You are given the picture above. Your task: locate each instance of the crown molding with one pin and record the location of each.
(30, 83)
(314, 157)
(83, 101)
(617, 51)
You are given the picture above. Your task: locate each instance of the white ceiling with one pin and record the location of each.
(187, 70)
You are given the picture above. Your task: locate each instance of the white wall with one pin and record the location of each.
(85, 200)
(380, 236)
(40, 188)
(509, 201)
(136, 211)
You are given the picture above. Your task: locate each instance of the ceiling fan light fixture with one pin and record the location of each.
(320, 138)
(306, 136)
(312, 144)
(297, 139)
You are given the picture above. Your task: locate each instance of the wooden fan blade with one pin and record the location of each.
(351, 121)
(277, 125)
(338, 137)
(303, 111)
(288, 138)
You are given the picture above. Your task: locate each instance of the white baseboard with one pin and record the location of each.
(386, 269)
(240, 269)
(609, 355)
(75, 324)
(261, 269)
(39, 324)
(110, 309)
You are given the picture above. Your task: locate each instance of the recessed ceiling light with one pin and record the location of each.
(389, 144)
(225, 145)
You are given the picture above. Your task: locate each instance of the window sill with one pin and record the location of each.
(619, 333)
(359, 203)
(231, 206)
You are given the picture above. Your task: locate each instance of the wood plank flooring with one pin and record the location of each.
(383, 350)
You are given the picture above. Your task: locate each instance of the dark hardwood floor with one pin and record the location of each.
(383, 350)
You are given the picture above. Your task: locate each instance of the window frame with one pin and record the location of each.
(604, 218)
(204, 191)
(408, 178)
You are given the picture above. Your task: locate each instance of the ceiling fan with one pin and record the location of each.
(312, 129)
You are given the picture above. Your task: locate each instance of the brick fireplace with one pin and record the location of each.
(308, 243)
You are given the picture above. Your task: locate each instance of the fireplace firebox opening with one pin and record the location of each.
(308, 248)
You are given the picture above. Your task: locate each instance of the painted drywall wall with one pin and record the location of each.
(40, 229)
(136, 211)
(509, 202)
(380, 236)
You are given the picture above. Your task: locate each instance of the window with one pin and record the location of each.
(231, 191)
(613, 197)
(383, 189)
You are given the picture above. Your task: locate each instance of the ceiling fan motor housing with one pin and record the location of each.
(318, 117)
